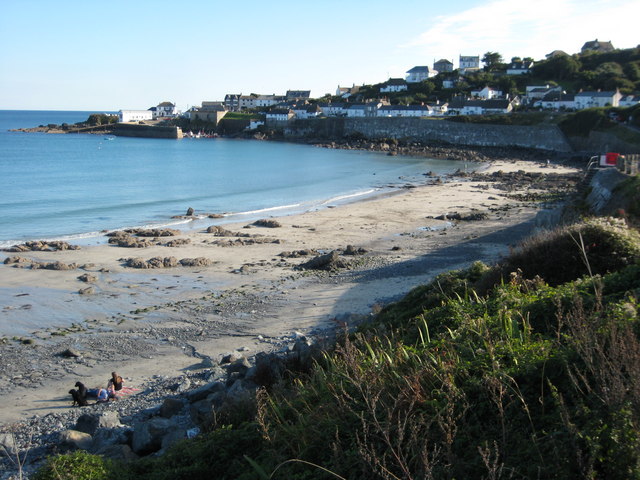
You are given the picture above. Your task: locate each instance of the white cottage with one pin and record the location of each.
(597, 99)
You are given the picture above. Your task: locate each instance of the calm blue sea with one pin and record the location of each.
(75, 186)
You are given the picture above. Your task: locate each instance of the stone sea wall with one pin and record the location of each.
(542, 137)
(146, 131)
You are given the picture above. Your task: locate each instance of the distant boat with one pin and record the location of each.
(109, 138)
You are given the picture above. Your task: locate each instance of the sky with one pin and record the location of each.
(107, 56)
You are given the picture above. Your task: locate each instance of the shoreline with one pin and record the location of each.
(151, 324)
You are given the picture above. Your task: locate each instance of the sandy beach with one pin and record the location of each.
(147, 323)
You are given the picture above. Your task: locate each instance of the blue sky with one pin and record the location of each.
(88, 55)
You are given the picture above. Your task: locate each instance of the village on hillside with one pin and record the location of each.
(471, 89)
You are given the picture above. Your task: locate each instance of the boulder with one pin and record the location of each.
(87, 291)
(8, 444)
(173, 437)
(267, 223)
(241, 366)
(75, 439)
(87, 278)
(190, 212)
(90, 422)
(147, 436)
(329, 261)
(204, 391)
(171, 407)
(122, 453)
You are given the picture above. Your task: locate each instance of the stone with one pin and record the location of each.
(190, 212)
(87, 291)
(90, 422)
(122, 453)
(70, 353)
(8, 444)
(87, 278)
(171, 407)
(204, 391)
(75, 439)
(147, 436)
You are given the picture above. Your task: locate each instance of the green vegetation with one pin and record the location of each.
(78, 465)
(101, 119)
(528, 369)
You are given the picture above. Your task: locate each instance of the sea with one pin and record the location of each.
(76, 187)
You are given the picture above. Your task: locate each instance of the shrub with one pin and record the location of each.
(597, 246)
(78, 465)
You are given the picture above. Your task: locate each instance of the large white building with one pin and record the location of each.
(125, 116)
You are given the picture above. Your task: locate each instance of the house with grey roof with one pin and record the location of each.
(443, 66)
(556, 100)
(629, 101)
(486, 107)
(332, 109)
(597, 46)
(404, 111)
(166, 110)
(519, 68)
(597, 99)
(296, 95)
(418, 74)
(469, 63)
(394, 85)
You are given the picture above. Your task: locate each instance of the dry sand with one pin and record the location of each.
(145, 323)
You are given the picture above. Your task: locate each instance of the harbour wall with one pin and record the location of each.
(540, 137)
(146, 131)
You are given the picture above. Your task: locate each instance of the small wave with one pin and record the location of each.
(349, 196)
(264, 210)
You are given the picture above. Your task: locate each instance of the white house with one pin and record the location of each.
(556, 101)
(125, 116)
(597, 99)
(404, 111)
(629, 101)
(166, 110)
(280, 115)
(519, 68)
(268, 100)
(333, 109)
(356, 110)
(538, 92)
(439, 109)
(485, 107)
(394, 85)
(487, 93)
(418, 74)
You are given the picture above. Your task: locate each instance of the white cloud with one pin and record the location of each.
(518, 28)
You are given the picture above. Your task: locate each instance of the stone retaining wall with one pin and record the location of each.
(540, 137)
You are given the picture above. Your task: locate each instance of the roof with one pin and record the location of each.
(395, 81)
(597, 45)
(166, 104)
(279, 111)
(419, 70)
(411, 108)
(298, 93)
(444, 60)
(596, 94)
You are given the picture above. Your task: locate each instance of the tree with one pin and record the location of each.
(491, 60)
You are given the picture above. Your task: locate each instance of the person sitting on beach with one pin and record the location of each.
(115, 381)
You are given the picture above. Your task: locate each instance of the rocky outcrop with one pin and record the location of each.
(42, 246)
(267, 223)
(165, 262)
